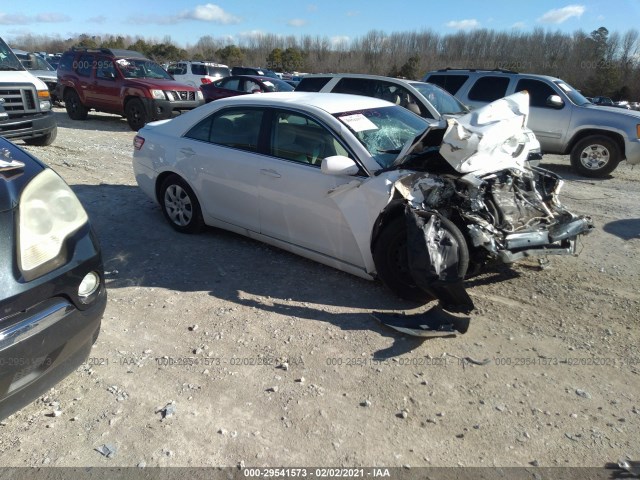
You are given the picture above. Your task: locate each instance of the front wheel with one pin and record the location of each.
(136, 114)
(75, 109)
(392, 265)
(180, 205)
(596, 156)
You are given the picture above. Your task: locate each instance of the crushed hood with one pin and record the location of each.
(490, 138)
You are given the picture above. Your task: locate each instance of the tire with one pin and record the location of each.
(44, 140)
(180, 205)
(596, 156)
(136, 114)
(390, 258)
(75, 109)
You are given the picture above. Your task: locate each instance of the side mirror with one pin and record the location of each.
(554, 101)
(339, 165)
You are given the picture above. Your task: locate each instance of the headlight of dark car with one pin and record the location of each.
(49, 213)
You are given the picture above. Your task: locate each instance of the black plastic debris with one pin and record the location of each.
(435, 322)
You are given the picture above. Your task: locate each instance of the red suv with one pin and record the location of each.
(122, 82)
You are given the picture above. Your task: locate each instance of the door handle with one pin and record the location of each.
(270, 173)
(187, 152)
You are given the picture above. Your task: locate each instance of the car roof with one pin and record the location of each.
(358, 75)
(480, 72)
(329, 102)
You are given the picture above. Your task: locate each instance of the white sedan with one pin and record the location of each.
(362, 185)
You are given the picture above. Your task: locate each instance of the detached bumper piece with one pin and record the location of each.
(435, 322)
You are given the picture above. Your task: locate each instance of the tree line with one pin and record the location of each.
(598, 63)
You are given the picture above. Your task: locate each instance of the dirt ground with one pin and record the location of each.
(261, 358)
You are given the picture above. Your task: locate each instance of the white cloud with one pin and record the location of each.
(297, 22)
(468, 24)
(312, 8)
(339, 40)
(560, 15)
(52, 18)
(518, 25)
(353, 13)
(209, 13)
(19, 19)
(99, 19)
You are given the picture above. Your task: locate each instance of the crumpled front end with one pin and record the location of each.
(487, 205)
(506, 216)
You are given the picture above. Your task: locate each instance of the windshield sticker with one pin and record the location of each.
(564, 87)
(123, 61)
(358, 122)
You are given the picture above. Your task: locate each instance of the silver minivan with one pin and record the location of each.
(565, 122)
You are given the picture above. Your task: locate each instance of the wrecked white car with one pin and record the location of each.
(364, 186)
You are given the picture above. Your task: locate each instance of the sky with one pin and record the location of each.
(185, 21)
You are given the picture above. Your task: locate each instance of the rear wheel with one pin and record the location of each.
(75, 109)
(180, 205)
(136, 114)
(596, 156)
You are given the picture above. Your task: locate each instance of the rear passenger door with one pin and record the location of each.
(222, 154)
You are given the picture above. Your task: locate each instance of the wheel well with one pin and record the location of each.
(160, 180)
(617, 138)
(394, 208)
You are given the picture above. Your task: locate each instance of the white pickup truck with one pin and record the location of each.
(26, 103)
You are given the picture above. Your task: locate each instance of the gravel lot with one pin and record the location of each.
(216, 350)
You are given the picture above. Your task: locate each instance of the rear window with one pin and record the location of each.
(314, 84)
(451, 83)
(488, 89)
(219, 71)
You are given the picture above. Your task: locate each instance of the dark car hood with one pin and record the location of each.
(13, 180)
(160, 84)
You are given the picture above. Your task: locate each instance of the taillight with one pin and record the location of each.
(138, 142)
(205, 80)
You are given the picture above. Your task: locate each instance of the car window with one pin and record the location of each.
(66, 62)
(399, 95)
(251, 86)
(235, 128)
(539, 91)
(85, 65)
(442, 101)
(451, 83)
(178, 69)
(356, 86)
(218, 71)
(105, 69)
(198, 69)
(488, 89)
(141, 68)
(229, 83)
(313, 84)
(301, 139)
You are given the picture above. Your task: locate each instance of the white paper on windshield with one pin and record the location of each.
(358, 122)
(564, 87)
(123, 61)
